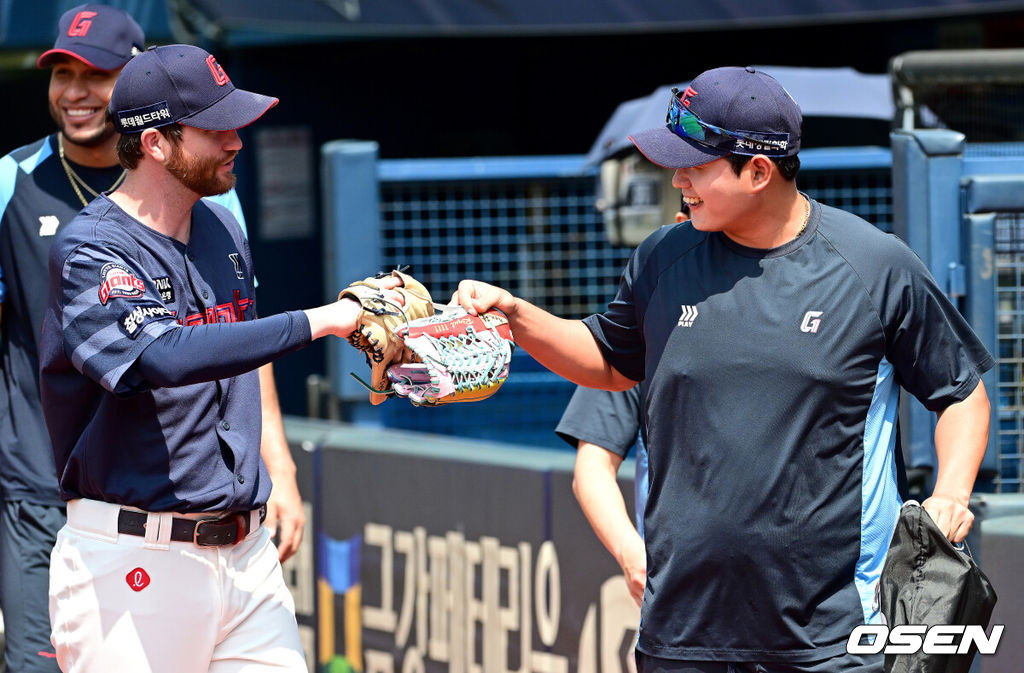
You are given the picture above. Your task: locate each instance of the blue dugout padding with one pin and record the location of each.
(947, 199)
(352, 241)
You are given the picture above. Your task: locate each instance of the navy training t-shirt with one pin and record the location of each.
(771, 386)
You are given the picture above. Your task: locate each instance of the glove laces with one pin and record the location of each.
(476, 361)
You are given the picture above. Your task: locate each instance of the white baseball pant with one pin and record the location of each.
(151, 605)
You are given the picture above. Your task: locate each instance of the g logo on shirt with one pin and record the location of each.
(811, 322)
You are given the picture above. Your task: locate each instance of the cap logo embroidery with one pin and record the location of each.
(687, 95)
(219, 75)
(80, 26)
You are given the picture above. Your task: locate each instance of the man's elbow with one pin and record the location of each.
(577, 488)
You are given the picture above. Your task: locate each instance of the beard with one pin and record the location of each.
(93, 138)
(199, 174)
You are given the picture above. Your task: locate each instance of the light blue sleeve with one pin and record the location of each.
(641, 483)
(9, 167)
(229, 200)
(8, 177)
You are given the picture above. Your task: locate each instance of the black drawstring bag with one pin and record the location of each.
(927, 580)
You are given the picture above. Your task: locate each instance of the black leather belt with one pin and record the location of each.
(230, 529)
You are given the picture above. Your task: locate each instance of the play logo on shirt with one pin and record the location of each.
(118, 281)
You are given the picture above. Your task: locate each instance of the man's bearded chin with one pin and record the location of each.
(199, 175)
(98, 137)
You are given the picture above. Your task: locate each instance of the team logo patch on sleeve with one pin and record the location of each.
(141, 315)
(118, 281)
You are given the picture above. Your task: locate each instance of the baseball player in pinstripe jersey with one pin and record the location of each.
(43, 185)
(148, 359)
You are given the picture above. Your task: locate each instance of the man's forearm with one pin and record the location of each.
(598, 494)
(566, 347)
(961, 436)
(601, 500)
(285, 514)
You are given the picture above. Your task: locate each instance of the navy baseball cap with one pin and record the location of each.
(724, 111)
(100, 36)
(185, 84)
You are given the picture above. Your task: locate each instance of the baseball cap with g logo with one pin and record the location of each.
(184, 84)
(100, 36)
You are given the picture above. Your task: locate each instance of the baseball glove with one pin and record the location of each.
(457, 357)
(375, 336)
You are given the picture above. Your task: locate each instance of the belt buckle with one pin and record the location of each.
(240, 529)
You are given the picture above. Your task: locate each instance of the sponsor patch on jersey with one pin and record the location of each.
(118, 281)
(141, 315)
(166, 290)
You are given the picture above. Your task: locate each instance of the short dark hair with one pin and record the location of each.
(788, 166)
(129, 145)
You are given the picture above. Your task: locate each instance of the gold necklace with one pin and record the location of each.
(807, 216)
(75, 179)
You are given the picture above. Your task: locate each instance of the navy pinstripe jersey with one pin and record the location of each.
(36, 201)
(772, 380)
(115, 287)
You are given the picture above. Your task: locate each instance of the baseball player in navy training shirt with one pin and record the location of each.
(43, 185)
(773, 334)
(148, 360)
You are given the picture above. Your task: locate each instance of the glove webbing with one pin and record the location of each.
(361, 335)
(475, 363)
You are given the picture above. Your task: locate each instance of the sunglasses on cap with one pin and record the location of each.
(686, 124)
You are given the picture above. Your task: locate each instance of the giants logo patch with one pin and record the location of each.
(134, 320)
(118, 281)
